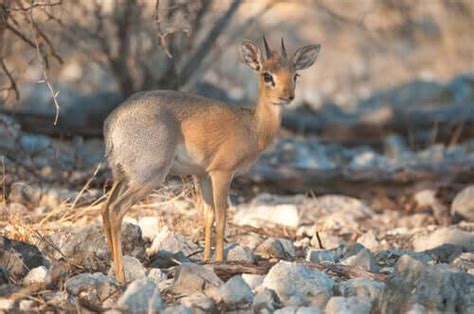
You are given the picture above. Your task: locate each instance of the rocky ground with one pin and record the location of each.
(286, 254)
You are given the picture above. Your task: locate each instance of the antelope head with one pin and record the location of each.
(277, 70)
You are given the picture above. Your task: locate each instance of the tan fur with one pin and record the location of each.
(159, 132)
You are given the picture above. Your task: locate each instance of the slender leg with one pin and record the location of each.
(208, 207)
(220, 188)
(197, 193)
(114, 192)
(116, 213)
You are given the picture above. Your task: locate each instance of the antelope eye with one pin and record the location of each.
(268, 77)
(296, 77)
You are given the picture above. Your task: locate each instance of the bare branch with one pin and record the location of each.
(54, 95)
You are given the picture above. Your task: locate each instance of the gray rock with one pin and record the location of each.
(38, 274)
(132, 268)
(236, 252)
(339, 305)
(86, 246)
(17, 257)
(360, 287)
(445, 235)
(294, 309)
(191, 278)
(388, 258)
(296, 283)
(95, 288)
(234, 291)
(177, 309)
(364, 260)
(199, 301)
(265, 300)
(444, 253)
(141, 296)
(318, 256)
(274, 247)
(463, 203)
(352, 249)
(171, 242)
(438, 288)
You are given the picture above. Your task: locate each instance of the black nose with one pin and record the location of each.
(291, 97)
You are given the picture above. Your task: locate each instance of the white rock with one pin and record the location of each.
(6, 304)
(262, 215)
(463, 203)
(443, 235)
(141, 296)
(318, 256)
(370, 241)
(149, 227)
(341, 305)
(298, 283)
(26, 305)
(172, 242)
(361, 287)
(253, 280)
(157, 275)
(234, 291)
(364, 259)
(328, 240)
(132, 268)
(38, 274)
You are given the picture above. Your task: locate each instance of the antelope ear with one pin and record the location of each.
(305, 56)
(251, 55)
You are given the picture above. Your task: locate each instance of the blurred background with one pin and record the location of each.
(388, 107)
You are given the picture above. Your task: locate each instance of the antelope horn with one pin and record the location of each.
(268, 52)
(283, 49)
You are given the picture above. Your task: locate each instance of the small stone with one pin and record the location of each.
(95, 288)
(173, 243)
(198, 300)
(318, 256)
(149, 227)
(6, 304)
(234, 291)
(463, 203)
(37, 275)
(191, 278)
(357, 305)
(236, 252)
(445, 235)
(464, 262)
(273, 247)
(292, 280)
(329, 241)
(157, 275)
(370, 241)
(26, 305)
(177, 309)
(265, 300)
(141, 296)
(388, 258)
(360, 287)
(132, 268)
(364, 259)
(257, 215)
(253, 281)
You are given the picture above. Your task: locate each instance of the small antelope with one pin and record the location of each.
(156, 133)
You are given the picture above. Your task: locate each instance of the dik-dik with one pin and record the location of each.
(156, 133)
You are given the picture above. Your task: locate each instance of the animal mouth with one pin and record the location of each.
(282, 101)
